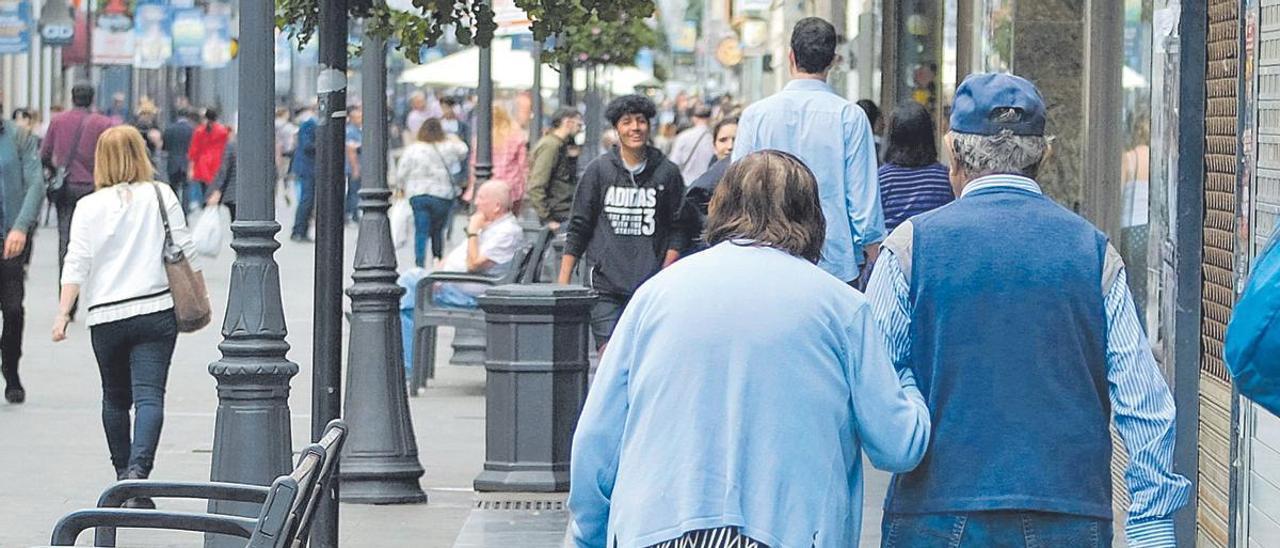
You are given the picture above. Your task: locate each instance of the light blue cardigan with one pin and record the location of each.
(739, 389)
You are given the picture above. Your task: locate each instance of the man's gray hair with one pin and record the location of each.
(1004, 152)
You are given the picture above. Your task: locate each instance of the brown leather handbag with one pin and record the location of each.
(190, 298)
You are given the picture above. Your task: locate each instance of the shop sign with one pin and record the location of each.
(188, 38)
(57, 28)
(15, 26)
(216, 52)
(113, 40)
(155, 44)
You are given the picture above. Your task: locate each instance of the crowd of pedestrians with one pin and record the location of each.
(780, 290)
(973, 342)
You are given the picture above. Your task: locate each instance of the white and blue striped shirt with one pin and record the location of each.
(1141, 404)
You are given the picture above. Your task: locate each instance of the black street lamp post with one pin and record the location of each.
(380, 462)
(535, 125)
(330, 190)
(484, 118)
(251, 442)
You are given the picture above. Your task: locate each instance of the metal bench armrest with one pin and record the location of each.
(115, 495)
(460, 277)
(71, 525)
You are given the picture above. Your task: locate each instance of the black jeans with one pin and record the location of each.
(133, 359)
(178, 182)
(13, 282)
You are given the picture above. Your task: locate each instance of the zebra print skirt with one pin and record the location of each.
(723, 537)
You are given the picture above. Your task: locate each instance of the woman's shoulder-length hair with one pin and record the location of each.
(769, 198)
(121, 157)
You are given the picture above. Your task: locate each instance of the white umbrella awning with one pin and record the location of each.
(512, 69)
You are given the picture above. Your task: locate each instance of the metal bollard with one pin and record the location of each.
(536, 384)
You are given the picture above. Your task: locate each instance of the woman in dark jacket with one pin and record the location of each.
(911, 179)
(698, 194)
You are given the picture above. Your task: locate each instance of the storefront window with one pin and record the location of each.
(919, 47)
(995, 31)
(1135, 165)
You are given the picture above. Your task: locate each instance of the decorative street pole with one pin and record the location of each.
(251, 440)
(566, 86)
(535, 125)
(484, 118)
(326, 391)
(380, 462)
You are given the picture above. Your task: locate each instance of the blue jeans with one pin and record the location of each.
(448, 294)
(430, 215)
(352, 209)
(306, 206)
(997, 528)
(195, 195)
(133, 359)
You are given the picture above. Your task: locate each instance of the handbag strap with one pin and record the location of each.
(164, 216)
(75, 145)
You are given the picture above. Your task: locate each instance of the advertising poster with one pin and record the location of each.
(216, 52)
(113, 40)
(155, 45)
(188, 38)
(15, 26)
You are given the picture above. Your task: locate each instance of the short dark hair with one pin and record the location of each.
(871, 110)
(82, 95)
(629, 104)
(813, 42)
(770, 198)
(449, 100)
(909, 139)
(563, 114)
(724, 122)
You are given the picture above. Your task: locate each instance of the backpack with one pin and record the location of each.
(1252, 348)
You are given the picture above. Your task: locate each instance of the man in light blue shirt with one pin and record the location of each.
(833, 138)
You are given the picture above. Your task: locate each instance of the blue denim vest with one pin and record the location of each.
(1008, 345)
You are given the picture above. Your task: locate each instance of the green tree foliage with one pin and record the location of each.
(587, 31)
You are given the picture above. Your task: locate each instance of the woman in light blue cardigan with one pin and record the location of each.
(741, 387)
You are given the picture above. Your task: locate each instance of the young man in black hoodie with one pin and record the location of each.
(626, 216)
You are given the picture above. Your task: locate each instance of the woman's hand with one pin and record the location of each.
(60, 327)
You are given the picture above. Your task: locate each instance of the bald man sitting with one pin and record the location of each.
(493, 237)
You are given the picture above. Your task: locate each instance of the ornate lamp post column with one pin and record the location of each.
(251, 442)
(484, 118)
(535, 125)
(380, 464)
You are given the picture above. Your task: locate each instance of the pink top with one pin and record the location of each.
(509, 163)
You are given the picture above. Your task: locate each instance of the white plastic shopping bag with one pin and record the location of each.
(208, 231)
(401, 217)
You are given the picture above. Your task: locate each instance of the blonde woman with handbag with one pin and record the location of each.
(127, 260)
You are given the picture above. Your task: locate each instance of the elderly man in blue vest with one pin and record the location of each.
(1016, 319)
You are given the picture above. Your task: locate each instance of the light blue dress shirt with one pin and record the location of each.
(832, 136)
(1141, 404)
(740, 389)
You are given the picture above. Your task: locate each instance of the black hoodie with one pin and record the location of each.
(624, 223)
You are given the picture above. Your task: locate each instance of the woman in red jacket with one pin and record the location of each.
(208, 143)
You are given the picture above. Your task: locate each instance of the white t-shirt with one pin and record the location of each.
(498, 242)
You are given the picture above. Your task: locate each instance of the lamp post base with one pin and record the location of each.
(494, 479)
